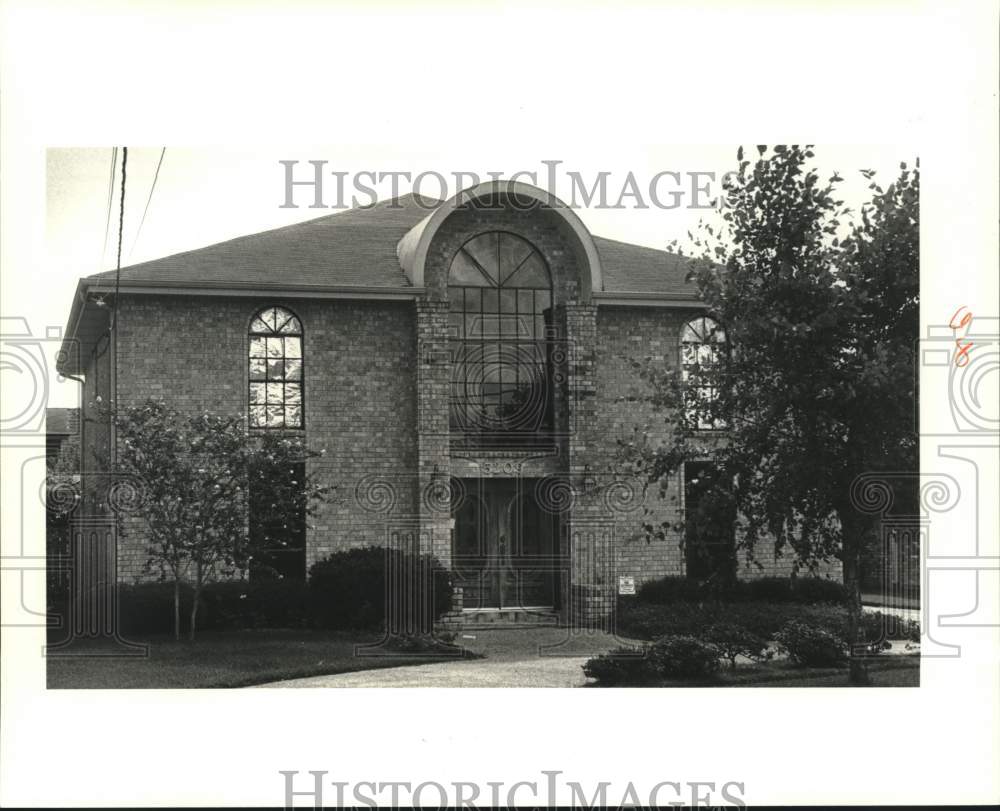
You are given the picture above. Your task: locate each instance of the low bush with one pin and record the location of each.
(240, 605)
(668, 590)
(439, 644)
(683, 657)
(148, 608)
(622, 667)
(347, 590)
(877, 626)
(809, 590)
(645, 621)
(810, 646)
(733, 640)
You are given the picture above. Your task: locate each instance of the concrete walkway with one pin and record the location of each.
(523, 657)
(548, 672)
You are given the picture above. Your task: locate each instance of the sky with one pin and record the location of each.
(207, 195)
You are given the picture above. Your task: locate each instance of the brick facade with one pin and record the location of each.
(377, 384)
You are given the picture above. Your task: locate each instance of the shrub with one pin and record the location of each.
(667, 590)
(809, 590)
(685, 657)
(733, 640)
(622, 667)
(810, 645)
(647, 621)
(242, 605)
(148, 608)
(789, 590)
(348, 588)
(440, 644)
(876, 626)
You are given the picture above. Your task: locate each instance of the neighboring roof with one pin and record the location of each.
(358, 248)
(62, 421)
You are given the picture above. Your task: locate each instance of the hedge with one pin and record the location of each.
(668, 590)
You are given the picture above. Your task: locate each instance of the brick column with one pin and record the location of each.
(589, 532)
(433, 457)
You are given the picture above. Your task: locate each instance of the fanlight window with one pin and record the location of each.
(276, 382)
(501, 299)
(702, 342)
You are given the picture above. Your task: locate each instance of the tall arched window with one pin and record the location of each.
(276, 381)
(702, 341)
(501, 303)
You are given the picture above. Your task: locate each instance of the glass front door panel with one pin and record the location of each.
(504, 546)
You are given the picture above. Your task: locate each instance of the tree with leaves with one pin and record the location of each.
(196, 474)
(816, 311)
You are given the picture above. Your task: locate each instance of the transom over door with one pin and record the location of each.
(504, 546)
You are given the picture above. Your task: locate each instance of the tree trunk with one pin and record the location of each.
(177, 608)
(195, 600)
(855, 531)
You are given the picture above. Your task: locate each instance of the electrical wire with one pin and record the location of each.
(111, 197)
(152, 188)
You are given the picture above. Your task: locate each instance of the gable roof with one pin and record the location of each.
(357, 248)
(349, 254)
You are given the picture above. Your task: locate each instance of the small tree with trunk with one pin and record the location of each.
(196, 474)
(814, 384)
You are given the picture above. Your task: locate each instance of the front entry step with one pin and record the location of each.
(500, 618)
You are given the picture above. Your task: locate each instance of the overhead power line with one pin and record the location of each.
(111, 197)
(152, 188)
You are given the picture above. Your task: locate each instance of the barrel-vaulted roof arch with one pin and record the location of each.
(413, 247)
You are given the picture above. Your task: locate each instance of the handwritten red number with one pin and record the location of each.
(961, 349)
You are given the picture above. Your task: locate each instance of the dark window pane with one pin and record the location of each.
(483, 250)
(532, 273)
(464, 271)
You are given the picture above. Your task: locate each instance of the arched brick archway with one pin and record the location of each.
(414, 248)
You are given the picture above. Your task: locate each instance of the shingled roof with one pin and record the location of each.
(358, 248)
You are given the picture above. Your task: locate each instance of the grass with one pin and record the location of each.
(227, 659)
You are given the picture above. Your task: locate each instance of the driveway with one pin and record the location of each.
(528, 657)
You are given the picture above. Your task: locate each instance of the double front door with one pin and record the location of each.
(504, 545)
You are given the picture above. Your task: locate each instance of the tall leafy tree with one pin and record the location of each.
(196, 474)
(814, 384)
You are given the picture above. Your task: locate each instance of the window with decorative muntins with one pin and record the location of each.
(276, 395)
(500, 291)
(702, 344)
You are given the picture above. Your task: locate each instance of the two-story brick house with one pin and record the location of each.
(466, 365)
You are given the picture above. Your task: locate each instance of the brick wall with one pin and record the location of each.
(359, 395)
(626, 335)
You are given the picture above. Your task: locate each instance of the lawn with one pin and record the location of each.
(226, 659)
